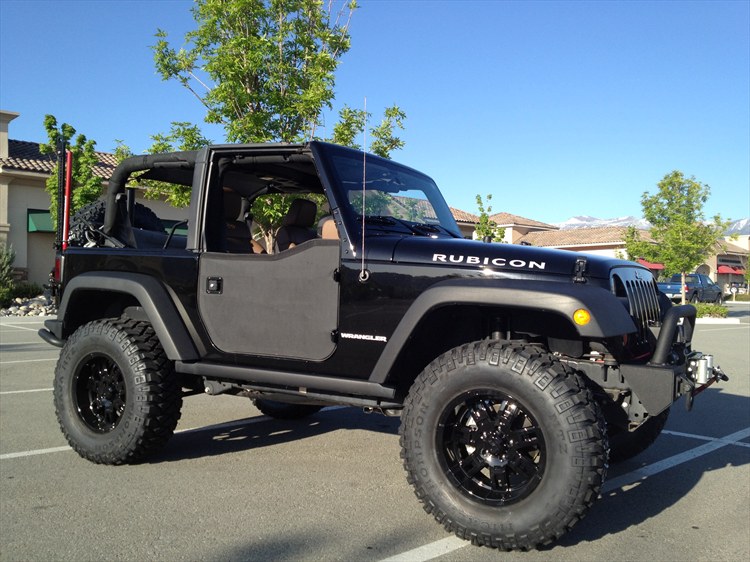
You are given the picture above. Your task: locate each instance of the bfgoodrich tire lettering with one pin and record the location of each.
(502, 445)
(116, 397)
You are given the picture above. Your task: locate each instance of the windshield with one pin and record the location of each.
(395, 199)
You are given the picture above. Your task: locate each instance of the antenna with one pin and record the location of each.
(364, 274)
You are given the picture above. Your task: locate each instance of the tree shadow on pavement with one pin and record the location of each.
(262, 431)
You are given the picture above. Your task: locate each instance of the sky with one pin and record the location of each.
(557, 109)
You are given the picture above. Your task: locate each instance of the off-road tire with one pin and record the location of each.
(624, 445)
(284, 410)
(502, 445)
(93, 214)
(116, 396)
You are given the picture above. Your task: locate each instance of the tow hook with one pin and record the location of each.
(702, 374)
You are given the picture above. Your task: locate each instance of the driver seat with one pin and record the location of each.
(297, 225)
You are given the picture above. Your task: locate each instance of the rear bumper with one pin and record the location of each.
(52, 333)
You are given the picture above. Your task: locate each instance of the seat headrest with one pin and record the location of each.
(232, 206)
(301, 213)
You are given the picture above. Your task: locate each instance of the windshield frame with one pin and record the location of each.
(342, 185)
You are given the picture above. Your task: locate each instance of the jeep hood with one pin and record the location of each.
(500, 258)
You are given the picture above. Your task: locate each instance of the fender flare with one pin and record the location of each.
(608, 316)
(152, 296)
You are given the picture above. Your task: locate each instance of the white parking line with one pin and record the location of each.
(702, 437)
(25, 391)
(664, 464)
(16, 326)
(227, 425)
(33, 453)
(450, 544)
(429, 551)
(27, 361)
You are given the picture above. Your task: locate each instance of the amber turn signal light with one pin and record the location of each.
(581, 317)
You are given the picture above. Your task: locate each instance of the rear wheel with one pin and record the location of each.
(116, 396)
(502, 445)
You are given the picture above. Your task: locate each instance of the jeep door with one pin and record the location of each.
(279, 305)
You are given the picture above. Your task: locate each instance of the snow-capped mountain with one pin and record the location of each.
(740, 226)
(593, 222)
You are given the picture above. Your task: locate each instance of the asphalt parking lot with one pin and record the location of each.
(235, 485)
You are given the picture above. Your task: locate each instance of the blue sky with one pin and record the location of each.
(555, 108)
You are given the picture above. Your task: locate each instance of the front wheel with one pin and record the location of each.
(502, 445)
(116, 397)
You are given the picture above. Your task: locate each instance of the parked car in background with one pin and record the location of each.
(698, 288)
(741, 287)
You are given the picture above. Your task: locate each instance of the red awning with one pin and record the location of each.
(730, 270)
(650, 265)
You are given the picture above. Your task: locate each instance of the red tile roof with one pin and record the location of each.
(25, 156)
(506, 219)
(580, 237)
(463, 216)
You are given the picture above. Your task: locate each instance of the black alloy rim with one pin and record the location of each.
(99, 392)
(491, 447)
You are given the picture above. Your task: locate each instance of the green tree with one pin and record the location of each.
(265, 70)
(86, 185)
(487, 229)
(681, 237)
(352, 124)
(182, 136)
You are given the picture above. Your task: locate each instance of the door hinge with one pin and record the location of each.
(579, 275)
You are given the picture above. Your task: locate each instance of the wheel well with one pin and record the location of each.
(87, 305)
(444, 328)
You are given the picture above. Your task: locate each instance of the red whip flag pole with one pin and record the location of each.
(68, 183)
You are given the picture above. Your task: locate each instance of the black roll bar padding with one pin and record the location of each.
(136, 164)
(668, 331)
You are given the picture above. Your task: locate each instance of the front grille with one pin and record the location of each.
(639, 288)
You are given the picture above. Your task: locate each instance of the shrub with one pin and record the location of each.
(7, 255)
(706, 310)
(26, 290)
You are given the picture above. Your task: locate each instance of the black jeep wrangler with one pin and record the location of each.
(518, 372)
